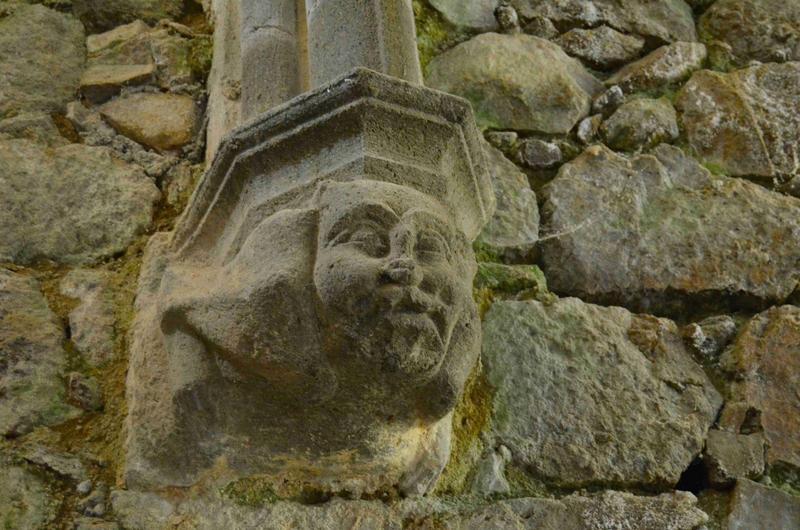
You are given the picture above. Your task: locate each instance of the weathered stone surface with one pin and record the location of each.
(101, 15)
(641, 124)
(755, 30)
(31, 359)
(85, 391)
(347, 34)
(160, 121)
(765, 360)
(601, 47)
(73, 204)
(101, 82)
(666, 20)
(526, 281)
(475, 15)
(660, 233)
(672, 511)
(514, 228)
(41, 58)
(589, 128)
(710, 336)
(746, 122)
(35, 126)
(516, 82)
(757, 506)
(730, 456)
(608, 101)
(92, 323)
(539, 154)
(665, 66)
(362, 224)
(25, 501)
(64, 464)
(94, 130)
(136, 44)
(661, 68)
(588, 395)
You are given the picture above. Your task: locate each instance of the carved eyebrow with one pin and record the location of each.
(374, 212)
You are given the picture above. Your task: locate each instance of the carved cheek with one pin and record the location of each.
(345, 278)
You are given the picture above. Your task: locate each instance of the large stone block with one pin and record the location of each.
(765, 363)
(32, 359)
(311, 318)
(516, 82)
(41, 58)
(659, 233)
(662, 21)
(73, 204)
(589, 396)
(745, 123)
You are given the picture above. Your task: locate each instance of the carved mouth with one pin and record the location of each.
(410, 307)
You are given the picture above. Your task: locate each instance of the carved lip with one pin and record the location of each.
(411, 306)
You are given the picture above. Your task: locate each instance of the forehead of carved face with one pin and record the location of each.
(394, 275)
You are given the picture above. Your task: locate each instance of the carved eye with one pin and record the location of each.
(432, 244)
(369, 240)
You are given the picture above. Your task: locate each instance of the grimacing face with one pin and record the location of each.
(393, 275)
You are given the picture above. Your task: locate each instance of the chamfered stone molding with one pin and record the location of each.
(311, 321)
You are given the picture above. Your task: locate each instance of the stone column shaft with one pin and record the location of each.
(376, 34)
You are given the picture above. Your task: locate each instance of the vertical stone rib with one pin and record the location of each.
(269, 42)
(377, 34)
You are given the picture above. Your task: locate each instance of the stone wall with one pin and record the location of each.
(638, 283)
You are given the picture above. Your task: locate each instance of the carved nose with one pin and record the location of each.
(401, 270)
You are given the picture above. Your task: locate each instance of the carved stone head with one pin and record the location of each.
(311, 320)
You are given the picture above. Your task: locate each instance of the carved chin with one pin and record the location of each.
(411, 343)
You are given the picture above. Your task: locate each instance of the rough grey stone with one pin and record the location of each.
(511, 80)
(101, 82)
(746, 122)
(538, 154)
(607, 102)
(73, 204)
(25, 500)
(94, 131)
(710, 336)
(34, 126)
(730, 456)
(85, 391)
(365, 220)
(665, 20)
(588, 395)
(136, 45)
(90, 523)
(160, 121)
(507, 17)
(588, 128)
(754, 30)
(665, 66)
(764, 363)
(601, 47)
(92, 323)
(514, 229)
(541, 27)
(505, 141)
(64, 464)
(659, 233)
(477, 15)
(671, 511)
(101, 15)
(41, 58)
(490, 474)
(757, 506)
(641, 124)
(31, 359)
